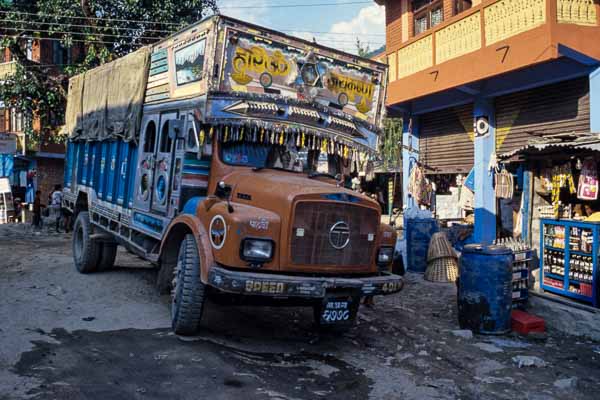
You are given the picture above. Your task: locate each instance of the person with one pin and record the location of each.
(57, 197)
(37, 210)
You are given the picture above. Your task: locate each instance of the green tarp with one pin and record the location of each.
(106, 102)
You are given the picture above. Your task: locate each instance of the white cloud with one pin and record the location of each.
(368, 26)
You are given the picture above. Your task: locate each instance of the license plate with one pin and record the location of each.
(338, 310)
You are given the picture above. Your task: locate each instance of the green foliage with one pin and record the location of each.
(97, 31)
(362, 50)
(391, 147)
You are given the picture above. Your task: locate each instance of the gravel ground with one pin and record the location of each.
(65, 335)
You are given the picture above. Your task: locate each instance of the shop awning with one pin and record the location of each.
(583, 144)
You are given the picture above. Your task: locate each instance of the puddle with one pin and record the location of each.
(151, 364)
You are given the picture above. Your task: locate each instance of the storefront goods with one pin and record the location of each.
(419, 187)
(504, 184)
(588, 181)
(562, 177)
(522, 256)
(484, 290)
(569, 260)
(442, 262)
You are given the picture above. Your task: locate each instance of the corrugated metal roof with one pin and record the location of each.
(533, 148)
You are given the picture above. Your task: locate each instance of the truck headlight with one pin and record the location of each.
(385, 256)
(257, 250)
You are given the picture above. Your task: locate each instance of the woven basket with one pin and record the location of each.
(439, 247)
(443, 269)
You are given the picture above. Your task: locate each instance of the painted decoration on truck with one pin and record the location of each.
(189, 62)
(261, 66)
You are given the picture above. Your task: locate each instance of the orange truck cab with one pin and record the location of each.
(222, 155)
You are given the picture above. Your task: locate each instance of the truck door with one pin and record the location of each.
(163, 164)
(144, 178)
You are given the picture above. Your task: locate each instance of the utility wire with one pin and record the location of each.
(295, 5)
(124, 36)
(86, 26)
(84, 33)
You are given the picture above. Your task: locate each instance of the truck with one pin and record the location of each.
(221, 154)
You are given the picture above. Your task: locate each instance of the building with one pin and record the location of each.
(515, 70)
(31, 167)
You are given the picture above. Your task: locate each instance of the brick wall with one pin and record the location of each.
(50, 171)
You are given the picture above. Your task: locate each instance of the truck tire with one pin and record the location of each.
(188, 294)
(86, 251)
(108, 254)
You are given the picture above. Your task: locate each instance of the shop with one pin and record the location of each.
(560, 212)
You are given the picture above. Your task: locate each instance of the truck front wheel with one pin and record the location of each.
(86, 251)
(188, 294)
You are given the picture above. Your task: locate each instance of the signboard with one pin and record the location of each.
(8, 144)
(256, 65)
(4, 185)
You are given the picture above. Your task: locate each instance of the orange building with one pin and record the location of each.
(521, 69)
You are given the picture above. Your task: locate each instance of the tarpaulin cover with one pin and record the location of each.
(106, 102)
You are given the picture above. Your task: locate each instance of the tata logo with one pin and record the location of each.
(339, 235)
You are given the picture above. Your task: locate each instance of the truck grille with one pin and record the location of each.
(312, 242)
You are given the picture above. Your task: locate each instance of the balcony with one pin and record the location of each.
(492, 38)
(7, 68)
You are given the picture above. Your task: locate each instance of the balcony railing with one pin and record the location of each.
(484, 25)
(7, 69)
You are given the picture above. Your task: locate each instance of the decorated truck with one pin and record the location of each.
(221, 155)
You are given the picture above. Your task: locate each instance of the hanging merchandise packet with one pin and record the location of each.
(588, 181)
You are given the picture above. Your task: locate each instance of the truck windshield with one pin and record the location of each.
(288, 158)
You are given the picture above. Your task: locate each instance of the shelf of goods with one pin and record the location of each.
(569, 261)
(520, 269)
(520, 280)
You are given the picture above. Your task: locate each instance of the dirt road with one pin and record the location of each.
(64, 335)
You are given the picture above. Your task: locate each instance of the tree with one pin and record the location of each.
(391, 145)
(101, 30)
(362, 50)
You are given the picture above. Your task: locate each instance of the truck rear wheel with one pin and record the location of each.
(188, 294)
(108, 255)
(86, 251)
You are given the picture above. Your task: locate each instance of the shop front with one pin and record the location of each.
(563, 214)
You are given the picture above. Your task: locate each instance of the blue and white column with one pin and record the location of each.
(485, 197)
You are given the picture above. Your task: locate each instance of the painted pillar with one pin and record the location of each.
(410, 154)
(595, 100)
(485, 197)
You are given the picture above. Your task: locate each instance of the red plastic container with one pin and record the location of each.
(525, 323)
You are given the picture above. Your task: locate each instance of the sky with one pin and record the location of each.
(334, 23)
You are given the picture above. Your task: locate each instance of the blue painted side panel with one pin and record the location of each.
(79, 158)
(97, 160)
(86, 163)
(122, 172)
(111, 171)
(133, 153)
(485, 290)
(69, 164)
(104, 164)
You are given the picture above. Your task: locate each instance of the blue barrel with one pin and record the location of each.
(485, 289)
(418, 233)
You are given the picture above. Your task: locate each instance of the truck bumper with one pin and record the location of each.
(265, 284)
